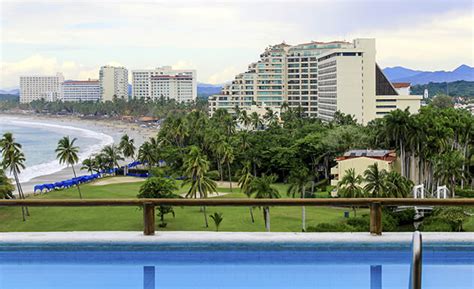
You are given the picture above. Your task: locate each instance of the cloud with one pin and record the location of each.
(225, 75)
(183, 64)
(41, 65)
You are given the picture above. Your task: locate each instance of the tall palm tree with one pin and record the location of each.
(244, 119)
(255, 120)
(262, 188)
(375, 179)
(299, 179)
(127, 146)
(196, 167)
(228, 157)
(66, 153)
(397, 127)
(349, 186)
(14, 159)
(6, 187)
(245, 182)
(448, 169)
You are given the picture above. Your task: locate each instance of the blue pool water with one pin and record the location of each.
(232, 266)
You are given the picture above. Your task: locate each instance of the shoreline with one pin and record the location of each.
(111, 127)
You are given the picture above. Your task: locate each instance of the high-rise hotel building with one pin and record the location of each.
(113, 82)
(164, 82)
(81, 90)
(319, 78)
(47, 88)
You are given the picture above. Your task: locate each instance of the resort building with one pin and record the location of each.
(164, 82)
(77, 90)
(40, 87)
(360, 160)
(113, 82)
(320, 78)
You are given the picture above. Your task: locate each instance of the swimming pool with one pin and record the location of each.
(231, 265)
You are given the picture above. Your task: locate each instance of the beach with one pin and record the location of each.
(110, 129)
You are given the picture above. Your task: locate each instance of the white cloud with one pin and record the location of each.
(225, 75)
(41, 65)
(183, 64)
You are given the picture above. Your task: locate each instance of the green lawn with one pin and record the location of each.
(284, 219)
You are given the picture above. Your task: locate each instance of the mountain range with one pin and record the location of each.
(402, 74)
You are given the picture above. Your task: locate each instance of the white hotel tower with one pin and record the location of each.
(320, 78)
(165, 82)
(47, 88)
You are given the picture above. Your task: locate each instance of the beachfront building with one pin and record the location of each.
(38, 87)
(113, 82)
(360, 160)
(81, 90)
(165, 82)
(319, 78)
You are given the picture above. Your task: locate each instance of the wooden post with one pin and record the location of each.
(148, 219)
(376, 219)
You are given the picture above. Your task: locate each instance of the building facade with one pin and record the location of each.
(113, 82)
(41, 87)
(76, 90)
(164, 82)
(318, 78)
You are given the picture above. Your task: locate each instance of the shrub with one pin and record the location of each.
(330, 227)
(360, 224)
(465, 193)
(435, 225)
(405, 217)
(214, 175)
(454, 216)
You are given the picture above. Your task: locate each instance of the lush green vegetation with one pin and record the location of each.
(455, 88)
(283, 219)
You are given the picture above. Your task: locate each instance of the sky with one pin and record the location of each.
(221, 38)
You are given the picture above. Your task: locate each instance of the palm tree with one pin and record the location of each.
(228, 157)
(127, 146)
(397, 186)
(262, 189)
(299, 179)
(89, 164)
(196, 166)
(255, 120)
(6, 187)
(397, 127)
(66, 153)
(244, 119)
(245, 182)
(375, 180)
(349, 186)
(448, 169)
(111, 154)
(14, 159)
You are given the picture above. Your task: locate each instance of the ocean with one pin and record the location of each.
(39, 139)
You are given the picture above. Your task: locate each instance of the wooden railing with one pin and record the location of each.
(375, 205)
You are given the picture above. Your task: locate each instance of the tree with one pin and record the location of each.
(256, 121)
(14, 159)
(397, 127)
(217, 218)
(262, 188)
(66, 153)
(228, 157)
(442, 101)
(349, 186)
(299, 179)
(375, 180)
(397, 186)
(6, 187)
(245, 183)
(89, 165)
(196, 167)
(160, 188)
(127, 146)
(111, 155)
(448, 169)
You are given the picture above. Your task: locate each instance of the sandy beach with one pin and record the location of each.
(113, 128)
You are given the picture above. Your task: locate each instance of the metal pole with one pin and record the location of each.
(416, 262)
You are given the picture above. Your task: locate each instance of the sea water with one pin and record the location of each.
(39, 140)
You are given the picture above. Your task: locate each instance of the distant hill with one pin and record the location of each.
(14, 91)
(402, 74)
(9, 97)
(204, 90)
(455, 88)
